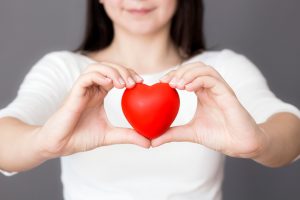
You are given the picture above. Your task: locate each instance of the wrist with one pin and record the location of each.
(40, 145)
(27, 148)
(264, 143)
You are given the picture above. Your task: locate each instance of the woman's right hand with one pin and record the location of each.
(81, 123)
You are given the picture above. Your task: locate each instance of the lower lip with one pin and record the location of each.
(139, 12)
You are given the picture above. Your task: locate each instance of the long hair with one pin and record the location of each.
(186, 27)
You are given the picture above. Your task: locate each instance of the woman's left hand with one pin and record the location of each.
(220, 123)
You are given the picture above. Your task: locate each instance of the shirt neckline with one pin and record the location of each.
(147, 74)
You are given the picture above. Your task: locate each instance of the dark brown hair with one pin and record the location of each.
(186, 29)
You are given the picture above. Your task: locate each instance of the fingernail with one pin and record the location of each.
(131, 81)
(107, 79)
(122, 82)
(188, 87)
(173, 81)
(181, 83)
(139, 78)
(163, 78)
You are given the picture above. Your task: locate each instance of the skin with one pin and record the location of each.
(136, 34)
(220, 123)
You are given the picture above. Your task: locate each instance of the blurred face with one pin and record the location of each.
(140, 16)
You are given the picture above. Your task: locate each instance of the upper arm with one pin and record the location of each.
(252, 89)
(42, 90)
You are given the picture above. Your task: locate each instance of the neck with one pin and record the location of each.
(143, 53)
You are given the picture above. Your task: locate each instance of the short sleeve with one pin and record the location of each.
(296, 159)
(7, 173)
(251, 87)
(42, 90)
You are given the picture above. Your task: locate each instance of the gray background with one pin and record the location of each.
(266, 31)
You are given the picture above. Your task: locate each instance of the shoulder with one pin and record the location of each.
(56, 69)
(217, 56)
(67, 61)
(226, 60)
(62, 65)
(64, 57)
(233, 66)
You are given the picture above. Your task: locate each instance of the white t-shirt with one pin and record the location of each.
(174, 171)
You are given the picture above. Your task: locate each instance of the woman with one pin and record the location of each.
(69, 106)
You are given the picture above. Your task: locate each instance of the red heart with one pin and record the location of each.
(150, 109)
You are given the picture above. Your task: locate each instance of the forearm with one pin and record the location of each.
(281, 143)
(19, 149)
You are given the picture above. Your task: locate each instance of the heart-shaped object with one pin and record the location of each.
(150, 109)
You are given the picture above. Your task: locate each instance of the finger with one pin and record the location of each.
(193, 73)
(125, 136)
(214, 85)
(125, 73)
(187, 75)
(109, 72)
(176, 79)
(178, 73)
(175, 134)
(167, 77)
(183, 68)
(82, 85)
(90, 79)
(136, 76)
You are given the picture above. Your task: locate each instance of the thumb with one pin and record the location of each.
(183, 133)
(125, 136)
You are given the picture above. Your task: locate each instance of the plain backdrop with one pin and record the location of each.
(266, 31)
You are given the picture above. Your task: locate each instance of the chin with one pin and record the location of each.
(142, 31)
(144, 28)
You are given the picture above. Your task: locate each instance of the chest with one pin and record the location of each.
(179, 162)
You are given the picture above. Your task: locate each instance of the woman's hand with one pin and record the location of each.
(81, 123)
(220, 122)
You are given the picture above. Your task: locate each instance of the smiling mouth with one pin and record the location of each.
(142, 11)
